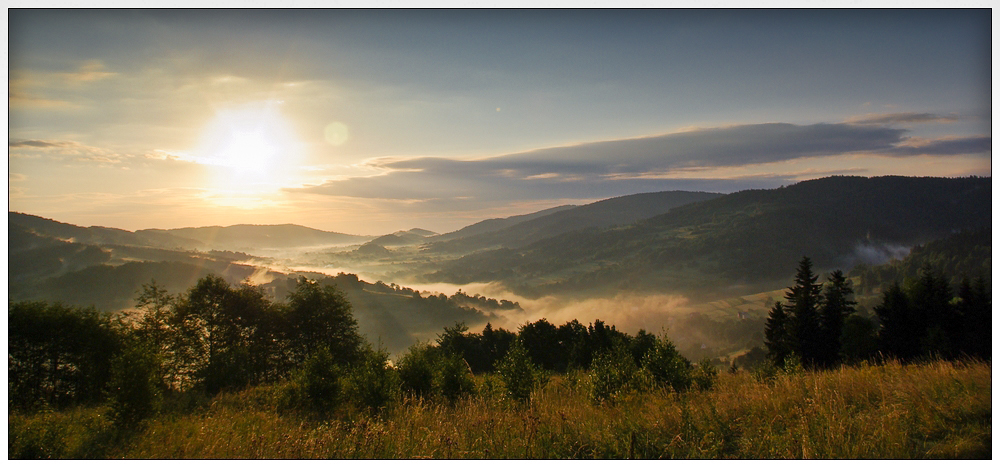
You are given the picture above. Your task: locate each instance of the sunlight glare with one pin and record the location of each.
(251, 149)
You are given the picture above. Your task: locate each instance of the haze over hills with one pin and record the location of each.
(700, 246)
(243, 237)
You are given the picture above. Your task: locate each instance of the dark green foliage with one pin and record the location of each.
(925, 319)
(975, 311)
(318, 316)
(900, 332)
(57, 355)
(320, 382)
(704, 374)
(542, 342)
(803, 310)
(454, 378)
(134, 390)
(517, 372)
(859, 341)
(667, 367)
(416, 370)
(963, 254)
(611, 372)
(371, 384)
(837, 305)
(777, 334)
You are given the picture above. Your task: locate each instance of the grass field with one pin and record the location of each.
(933, 410)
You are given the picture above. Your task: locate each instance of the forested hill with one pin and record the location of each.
(605, 213)
(245, 237)
(738, 242)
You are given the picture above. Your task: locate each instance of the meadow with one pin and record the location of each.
(930, 410)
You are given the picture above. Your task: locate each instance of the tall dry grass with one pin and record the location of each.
(892, 411)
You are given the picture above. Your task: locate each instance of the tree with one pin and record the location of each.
(976, 315)
(930, 302)
(319, 316)
(58, 355)
(541, 341)
(517, 372)
(666, 365)
(777, 336)
(837, 305)
(135, 384)
(899, 331)
(416, 370)
(803, 300)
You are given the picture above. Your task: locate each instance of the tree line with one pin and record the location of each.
(220, 337)
(817, 325)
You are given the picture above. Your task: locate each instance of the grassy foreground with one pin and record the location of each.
(933, 410)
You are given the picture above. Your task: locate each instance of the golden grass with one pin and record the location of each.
(934, 410)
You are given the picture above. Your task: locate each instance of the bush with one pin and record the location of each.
(454, 378)
(372, 385)
(667, 367)
(611, 373)
(134, 393)
(319, 382)
(705, 374)
(416, 370)
(517, 372)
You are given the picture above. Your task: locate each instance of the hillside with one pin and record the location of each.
(96, 235)
(496, 224)
(737, 243)
(245, 237)
(605, 213)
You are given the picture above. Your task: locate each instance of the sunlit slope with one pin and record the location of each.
(248, 236)
(739, 243)
(602, 214)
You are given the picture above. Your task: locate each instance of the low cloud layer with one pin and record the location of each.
(619, 167)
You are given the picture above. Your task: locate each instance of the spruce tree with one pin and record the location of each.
(776, 336)
(899, 331)
(837, 305)
(803, 302)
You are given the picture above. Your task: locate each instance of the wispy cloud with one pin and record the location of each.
(624, 166)
(64, 150)
(902, 118)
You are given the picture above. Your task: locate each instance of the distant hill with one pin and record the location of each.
(496, 224)
(736, 242)
(605, 213)
(96, 235)
(250, 237)
(410, 237)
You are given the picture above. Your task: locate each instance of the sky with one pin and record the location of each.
(372, 121)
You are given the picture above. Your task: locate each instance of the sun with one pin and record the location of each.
(250, 149)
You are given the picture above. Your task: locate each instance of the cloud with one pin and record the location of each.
(951, 146)
(610, 168)
(902, 118)
(40, 144)
(64, 151)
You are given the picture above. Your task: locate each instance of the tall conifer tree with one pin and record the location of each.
(837, 305)
(776, 336)
(803, 302)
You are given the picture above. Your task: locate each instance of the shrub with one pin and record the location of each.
(416, 370)
(666, 366)
(454, 378)
(517, 372)
(134, 393)
(705, 374)
(372, 385)
(319, 382)
(611, 373)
